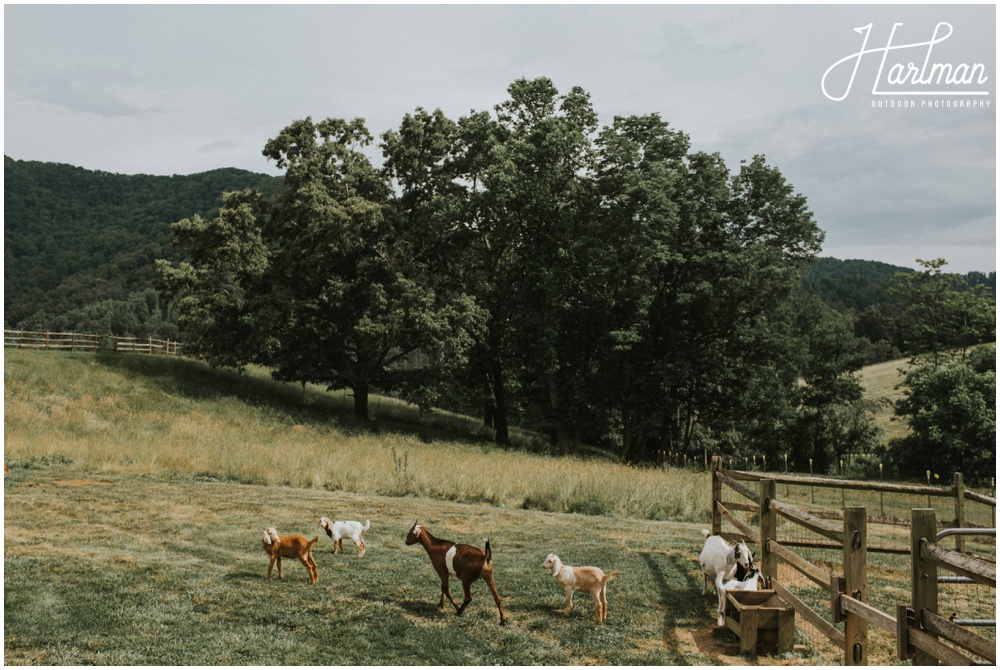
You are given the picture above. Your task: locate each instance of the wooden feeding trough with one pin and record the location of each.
(763, 622)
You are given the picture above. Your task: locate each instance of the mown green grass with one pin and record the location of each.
(128, 570)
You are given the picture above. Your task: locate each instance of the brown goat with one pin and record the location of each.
(465, 562)
(290, 546)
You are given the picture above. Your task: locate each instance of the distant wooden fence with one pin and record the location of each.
(49, 341)
(922, 635)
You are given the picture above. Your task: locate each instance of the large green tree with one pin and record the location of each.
(607, 285)
(321, 283)
(951, 411)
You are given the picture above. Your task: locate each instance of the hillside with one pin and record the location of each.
(852, 286)
(163, 474)
(177, 418)
(75, 237)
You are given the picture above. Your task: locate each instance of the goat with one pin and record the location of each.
(338, 530)
(290, 546)
(719, 561)
(585, 579)
(754, 582)
(461, 560)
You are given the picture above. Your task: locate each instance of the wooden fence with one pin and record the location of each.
(49, 341)
(759, 516)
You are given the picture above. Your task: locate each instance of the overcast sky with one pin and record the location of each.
(185, 88)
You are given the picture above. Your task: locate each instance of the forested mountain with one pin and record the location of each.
(80, 245)
(850, 285)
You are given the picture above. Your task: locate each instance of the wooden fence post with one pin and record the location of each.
(716, 495)
(856, 583)
(768, 530)
(924, 592)
(959, 511)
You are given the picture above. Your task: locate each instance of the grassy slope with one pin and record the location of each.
(142, 485)
(881, 381)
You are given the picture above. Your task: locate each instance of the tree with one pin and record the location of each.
(320, 283)
(951, 411)
(941, 312)
(728, 250)
(220, 291)
(520, 177)
(832, 417)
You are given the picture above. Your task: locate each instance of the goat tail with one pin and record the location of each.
(368, 524)
(706, 532)
(609, 576)
(489, 554)
(312, 542)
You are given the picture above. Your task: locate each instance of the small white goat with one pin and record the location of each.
(720, 561)
(585, 579)
(753, 582)
(338, 530)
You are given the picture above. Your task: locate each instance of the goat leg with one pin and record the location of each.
(309, 568)
(598, 607)
(446, 592)
(488, 578)
(467, 587)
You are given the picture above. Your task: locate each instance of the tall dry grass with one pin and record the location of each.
(170, 418)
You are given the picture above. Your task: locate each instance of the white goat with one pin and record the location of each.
(338, 530)
(753, 582)
(720, 561)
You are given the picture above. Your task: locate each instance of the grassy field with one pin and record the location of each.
(161, 417)
(141, 487)
(130, 570)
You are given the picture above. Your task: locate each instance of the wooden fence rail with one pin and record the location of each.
(922, 635)
(55, 341)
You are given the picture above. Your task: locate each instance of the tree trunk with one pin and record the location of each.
(499, 405)
(489, 408)
(360, 390)
(563, 441)
(561, 434)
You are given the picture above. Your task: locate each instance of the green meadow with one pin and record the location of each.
(141, 487)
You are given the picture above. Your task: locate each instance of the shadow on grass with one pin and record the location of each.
(243, 576)
(424, 608)
(680, 594)
(197, 380)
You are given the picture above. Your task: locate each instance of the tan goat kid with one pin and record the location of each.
(585, 579)
(290, 546)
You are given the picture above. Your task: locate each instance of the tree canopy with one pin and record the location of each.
(600, 284)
